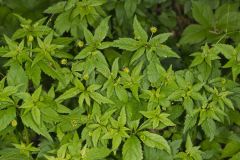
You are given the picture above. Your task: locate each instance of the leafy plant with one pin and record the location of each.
(93, 79)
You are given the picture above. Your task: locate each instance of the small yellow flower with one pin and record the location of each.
(153, 29)
(80, 44)
(14, 123)
(126, 69)
(64, 61)
(30, 38)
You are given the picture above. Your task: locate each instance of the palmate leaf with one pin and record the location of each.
(132, 149)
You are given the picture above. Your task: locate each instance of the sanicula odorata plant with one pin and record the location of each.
(120, 80)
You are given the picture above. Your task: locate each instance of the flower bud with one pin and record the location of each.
(126, 69)
(153, 29)
(30, 38)
(80, 44)
(14, 123)
(64, 61)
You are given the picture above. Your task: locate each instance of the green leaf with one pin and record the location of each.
(70, 4)
(189, 144)
(88, 36)
(68, 94)
(56, 8)
(156, 154)
(115, 68)
(84, 53)
(96, 2)
(116, 141)
(194, 33)
(36, 114)
(197, 60)
(35, 74)
(121, 93)
(122, 119)
(202, 13)
(62, 23)
(230, 149)
(130, 7)
(165, 51)
(7, 116)
(97, 153)
(163, 118)
(225, 49)
(138, 54)
(228, 102)
(154, 140)
(14, 79)
(128, 44)
(101, 30)
(152, 72)
(190, 122)
(50, 71)
(132, 149)
(160, 38)
(36, 94)
(209, 128)
(99, 98)
(29, 122)
(95, 136)
(139, 32)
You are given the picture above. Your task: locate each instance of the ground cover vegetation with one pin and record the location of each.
(119, 80)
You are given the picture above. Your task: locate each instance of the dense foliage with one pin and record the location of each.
(119, 79)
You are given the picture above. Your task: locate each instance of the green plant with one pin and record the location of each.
(75, 85)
